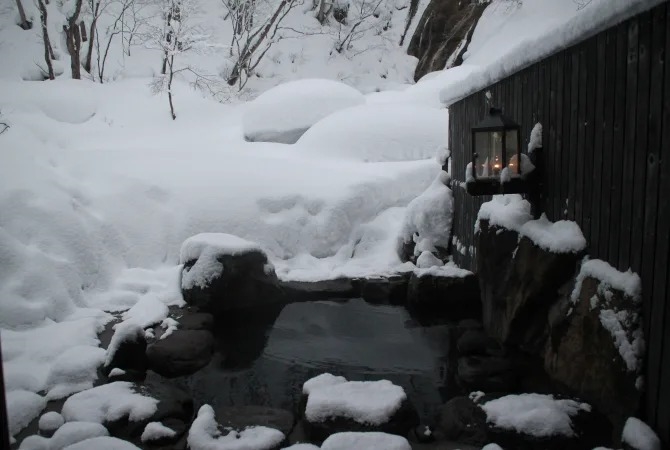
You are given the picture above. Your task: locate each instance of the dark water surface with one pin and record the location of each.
(354, 339)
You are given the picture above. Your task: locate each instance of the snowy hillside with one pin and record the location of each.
(99, 186)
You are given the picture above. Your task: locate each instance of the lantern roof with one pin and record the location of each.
(496, 121)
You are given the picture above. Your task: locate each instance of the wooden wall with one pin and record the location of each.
(605, 108)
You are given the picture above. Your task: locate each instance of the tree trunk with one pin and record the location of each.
(45, 38)
(25, 24)
(413, 6)
(174, 116)
(89, 54)
(73, 40)
(321, 15)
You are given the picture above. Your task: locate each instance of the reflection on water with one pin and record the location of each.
(353, 339)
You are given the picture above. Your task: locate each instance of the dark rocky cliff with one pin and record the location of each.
(443, 33)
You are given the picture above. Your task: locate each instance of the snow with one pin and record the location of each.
(109, 402)
(68, 434)
(102, 443)
(639, 435)
(366, 402)
(492, 447)
(365, 441)
(116, 372)
(426, 260)
(123, 332)
(205, 435)
(22, 407)
(321, 381)
(429, 217)
(627, 282)
(498, 49)
(535, 141)
(563, 236)
(170, 325)
(205, 248)
(374, 133)
(50, 421)
(631, 349)
(511, 211)
(449, 270)
(534, 414)
(302, 447)
(267, 117)
(156, 430)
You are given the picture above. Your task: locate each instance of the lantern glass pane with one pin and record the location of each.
(488, 145)
(512, 149)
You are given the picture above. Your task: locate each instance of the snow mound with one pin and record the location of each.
(639, 435)
(492, 447)
(109, 402)
(50, 421)
(508, 211)
(205, 248)
(563, 236)
(123, 332)
(22, 407)
(534, 414)
(156, 430)
(205, 435)
(365, 441)
(366, 402)
(428, 218)
(282, 114)
(321, 381)
(372, 133)
(74, 370)
(102, 443)
(68, 434)
(627, 282)
(302, 447)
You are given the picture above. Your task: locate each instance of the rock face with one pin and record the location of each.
(519, 283)
(582, 352)
(224, 273)
(445, 296)
(486, 373)
(442, 35)
(127, 351)
(181, 353)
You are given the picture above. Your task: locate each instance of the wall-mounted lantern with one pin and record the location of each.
(496, 166)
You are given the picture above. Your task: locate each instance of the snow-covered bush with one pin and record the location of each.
(428, 219)
(282, 114)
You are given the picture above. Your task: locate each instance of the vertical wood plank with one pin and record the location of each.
(581, 150)
(617, 156)
(608, 153)
(658, 356)
(565, 163)
(573, 150)
(598, 154)
(629, 149)
(555, 188)
(589, 138)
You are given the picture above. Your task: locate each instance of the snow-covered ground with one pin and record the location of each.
(99, 187)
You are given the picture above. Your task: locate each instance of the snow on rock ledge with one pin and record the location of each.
(534, 414)
(374, 133)
(335, 405)
(365, 441)
(282, 114)
(639, 436)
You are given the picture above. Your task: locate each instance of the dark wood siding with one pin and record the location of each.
(605, 109)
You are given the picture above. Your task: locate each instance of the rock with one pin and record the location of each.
(224, 273)
(241, 417)
(486, 373)
(181, 353)
(519, 283)
(127, 349)
(440, 34)
(174, 410)
(400, 423)
(446, 297)
(388, 291)
(582, 353)
(463, 419)
(476, 342)
(460, 419)
(297, 291)
(195, 321)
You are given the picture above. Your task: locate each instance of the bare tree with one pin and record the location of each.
(95, 10)
(323, 9)
(25, 23)
(178, 35)
(3, 125)
(362, 17)
(73, 39)
(255, 30)
(48, 51)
